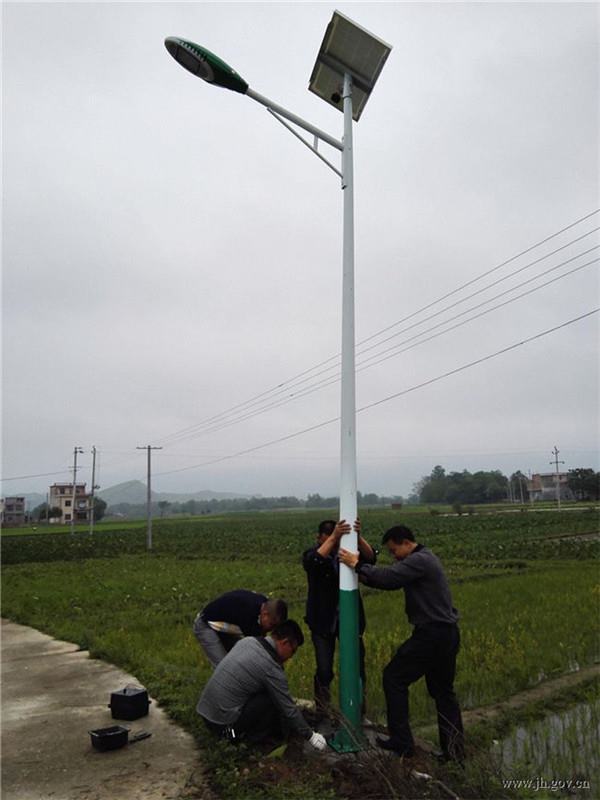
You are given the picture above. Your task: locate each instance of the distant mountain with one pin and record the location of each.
(134, 492)
(204, 494)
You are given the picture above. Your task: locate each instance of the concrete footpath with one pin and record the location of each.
(52, 695)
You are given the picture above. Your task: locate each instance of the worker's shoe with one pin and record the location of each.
(394, 747)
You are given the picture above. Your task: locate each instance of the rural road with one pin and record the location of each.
(52, 694)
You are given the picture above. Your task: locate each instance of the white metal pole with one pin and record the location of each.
(350, 689)
(348, 578)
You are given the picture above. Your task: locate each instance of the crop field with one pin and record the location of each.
(527, 586)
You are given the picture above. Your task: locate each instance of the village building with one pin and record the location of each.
(12, 511)
(61, 496)
(542, 486)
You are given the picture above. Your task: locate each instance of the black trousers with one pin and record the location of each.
(324, 644)
(431, 651)
(259, 719)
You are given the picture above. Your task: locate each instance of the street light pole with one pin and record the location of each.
(348, 65)
(350, 688)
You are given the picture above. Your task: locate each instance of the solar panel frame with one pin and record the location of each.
(349, 47)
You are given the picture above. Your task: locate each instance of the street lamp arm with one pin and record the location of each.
(302, 123)
(303, 140)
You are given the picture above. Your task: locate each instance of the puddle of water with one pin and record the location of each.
(561, 746)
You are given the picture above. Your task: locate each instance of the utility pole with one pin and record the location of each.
(76, 450)
(94, 487)
(555, 453)
(149, 448)
(530, 487)
(47, 508)
(521, 487)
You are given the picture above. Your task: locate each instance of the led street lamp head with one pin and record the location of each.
(204, 64)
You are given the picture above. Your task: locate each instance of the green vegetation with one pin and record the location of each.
(524, 584)
(489, 487)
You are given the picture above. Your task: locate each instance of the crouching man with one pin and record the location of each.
(247, 697)
(224, 621)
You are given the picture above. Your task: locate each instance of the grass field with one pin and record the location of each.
(527, 587)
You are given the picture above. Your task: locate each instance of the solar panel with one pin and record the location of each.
(348, 47)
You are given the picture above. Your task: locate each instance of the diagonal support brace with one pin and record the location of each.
(303, 140)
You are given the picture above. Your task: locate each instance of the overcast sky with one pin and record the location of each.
(170, 251)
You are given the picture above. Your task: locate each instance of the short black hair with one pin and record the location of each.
(398, 534)
(277, 608)
(289, 630)
(327, 526)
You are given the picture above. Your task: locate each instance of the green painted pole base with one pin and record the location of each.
(349, 739)
(346, 741)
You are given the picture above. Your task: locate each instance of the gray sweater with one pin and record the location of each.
(426, 591)
(246, 670)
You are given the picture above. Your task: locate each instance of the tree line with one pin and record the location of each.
(492, 487)
(439, 487)
(197, 507)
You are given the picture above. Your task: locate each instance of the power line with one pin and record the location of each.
(389, 397)
(361, 366)
(494, 269)
(395, 350)
(483, 313)
(479, 360)
(280, 387)
(490, 285)
(392, 352)
(39, 475)
(327, 382)
(398, 349)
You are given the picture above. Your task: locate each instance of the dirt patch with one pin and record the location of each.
(544, 691)
(585, 535)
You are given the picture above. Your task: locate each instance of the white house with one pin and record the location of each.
(61, 496)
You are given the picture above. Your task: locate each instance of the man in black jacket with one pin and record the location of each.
(431, 650)
(322, 612)
(225, 620)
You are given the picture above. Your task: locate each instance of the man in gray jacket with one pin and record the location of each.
(247, 697)
(430, 651)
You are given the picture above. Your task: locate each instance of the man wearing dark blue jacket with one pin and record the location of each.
(322, 613)
(233, 615)
(430, 651)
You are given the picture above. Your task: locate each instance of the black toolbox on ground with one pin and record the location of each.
(129, 703)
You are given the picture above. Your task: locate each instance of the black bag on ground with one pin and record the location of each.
(129, 703)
